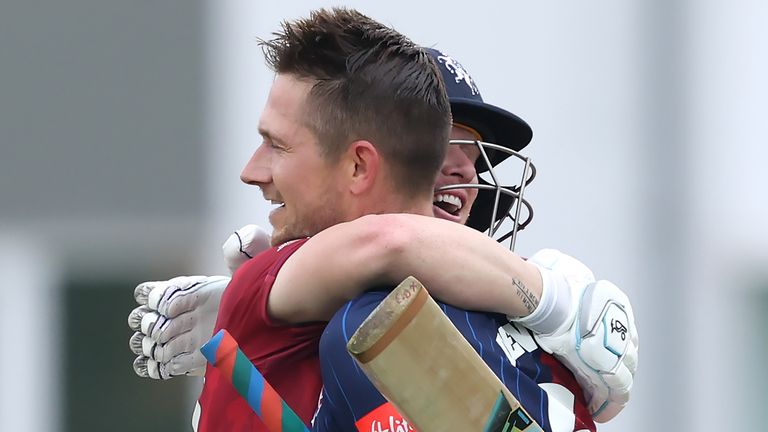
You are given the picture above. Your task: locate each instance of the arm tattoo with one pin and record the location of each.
(530, 301)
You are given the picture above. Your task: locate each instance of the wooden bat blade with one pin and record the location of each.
(421, 363)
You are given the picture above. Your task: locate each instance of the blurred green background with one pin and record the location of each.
(100, 387)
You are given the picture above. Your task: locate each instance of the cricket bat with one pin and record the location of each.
(423, 365)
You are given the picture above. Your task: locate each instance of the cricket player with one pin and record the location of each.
(260, 318)
(543, 385)
(356, 123)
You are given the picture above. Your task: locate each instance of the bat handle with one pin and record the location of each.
(223, 353)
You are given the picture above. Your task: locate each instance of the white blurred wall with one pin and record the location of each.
(29, 396)
(726, 267)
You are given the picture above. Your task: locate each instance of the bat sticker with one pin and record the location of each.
(504, 419)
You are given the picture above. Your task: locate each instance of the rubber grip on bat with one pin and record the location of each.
(223, 353)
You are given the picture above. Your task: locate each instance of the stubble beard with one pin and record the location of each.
(306, 225)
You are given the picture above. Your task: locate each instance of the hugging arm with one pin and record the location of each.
(461, 266)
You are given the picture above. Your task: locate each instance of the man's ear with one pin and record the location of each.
(366, 162)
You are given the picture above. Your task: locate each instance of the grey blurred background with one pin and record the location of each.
(124, 126)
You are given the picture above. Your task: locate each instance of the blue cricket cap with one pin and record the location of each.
(495, 125)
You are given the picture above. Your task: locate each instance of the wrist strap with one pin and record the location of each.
(554, 308)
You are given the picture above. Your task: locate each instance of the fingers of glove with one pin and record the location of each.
(157, 370)
(619, 383)
(134, 318)
(190, 363)
(244, 244)
(135, 342)
(151, 323)
(147, 347)
(574, 270)
(143, 345)
(606, 412)
(140, 366)
(148, 368)
(607, 392)
(186, 343)
(186, 364)
(164, 291)
(205, 293)
(175, 327)
(608, 397)
(141, 292)
(630, 359)
(154, 370)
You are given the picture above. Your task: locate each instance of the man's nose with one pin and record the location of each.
(257, 171)
(458, 164)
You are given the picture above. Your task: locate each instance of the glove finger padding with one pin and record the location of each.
(134, 318)
(141, 292)
(179, 317)
(605, 407)
(175, 347)
(135, 343)
(151, 323)
(167, 337)
(140, 366)
(605, 343)
(148, 347)
(186, 293)
(148, 368)
(630, 358)
(609, 410)
(174, 328)
(161, 294)
(620, 383)
(156, 370)
(191, 364)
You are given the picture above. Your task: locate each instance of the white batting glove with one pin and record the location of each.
(596, 337)
(176, 317)
(244, 244)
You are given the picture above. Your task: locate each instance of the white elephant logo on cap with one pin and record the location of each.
(455, 68)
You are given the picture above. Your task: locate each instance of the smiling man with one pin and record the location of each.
(356, 123)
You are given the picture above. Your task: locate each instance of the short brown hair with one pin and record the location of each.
(371, 83)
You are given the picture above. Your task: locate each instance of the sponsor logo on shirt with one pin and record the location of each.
(385, 418)
(515, 342)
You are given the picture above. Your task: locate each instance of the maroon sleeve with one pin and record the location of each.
(286, 355)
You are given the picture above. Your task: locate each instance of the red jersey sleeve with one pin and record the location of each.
(287, 355)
